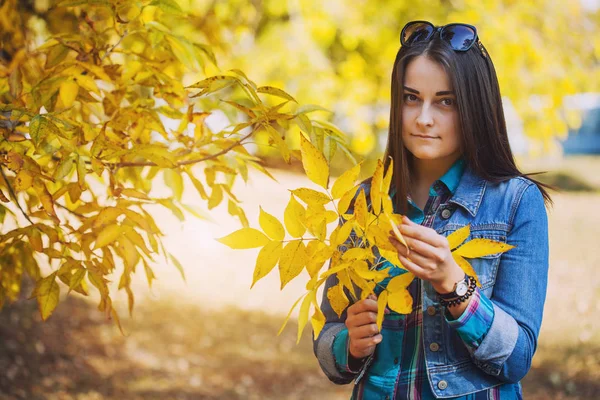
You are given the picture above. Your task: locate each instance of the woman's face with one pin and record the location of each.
(430, 129)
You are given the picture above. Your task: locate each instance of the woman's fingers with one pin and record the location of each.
(365, 331)
(364, 318)
(428, 235)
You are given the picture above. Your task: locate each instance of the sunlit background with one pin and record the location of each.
(211, 337)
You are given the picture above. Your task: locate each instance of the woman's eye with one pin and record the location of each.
(447, 102)
(410, 98)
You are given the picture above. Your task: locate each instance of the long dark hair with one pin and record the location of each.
(485, 146)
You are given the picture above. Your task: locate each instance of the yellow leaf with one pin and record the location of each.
(482, 247)
(381, 303)
(400, 302)
(343, 233)
(271, 225)
(338, 299)
(137, 239)
(23, 180)
(310, 196)
(317, 254)
(47, 294)
(317, 320)
(357, 253)
(363, 270)
(335, 270)
(387, 180)
(360, 209)
(466, 267)
(107, 215)
(266, 260)
(397, 232)
(245, 238)
(392, 257)
(400, 282)
(46, 200)
(289, 314)
(386, 202)
(376, 184)
(134, 193)
(344, 278)
(281, 144)
(365, 286)
(314, 163)
(293, 217)
(275, 92)
(35, 239)
(345, 182)
(76, 279)
(457, 237)
(107, 236)
(379, 236)
(330, 216)
(346, 199)
(129, 253)
(88, 83)
(303, 315)
(292, 261)
(68, 92)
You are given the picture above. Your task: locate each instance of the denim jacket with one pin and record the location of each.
(514, 212)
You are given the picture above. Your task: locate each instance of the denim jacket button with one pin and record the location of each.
(431, 310)
(442, 385)
(446, 213)
(434, 347)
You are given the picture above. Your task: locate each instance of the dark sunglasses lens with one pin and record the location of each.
(460, 37)
(416, 32)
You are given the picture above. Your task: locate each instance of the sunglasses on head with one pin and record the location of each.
(461, 37)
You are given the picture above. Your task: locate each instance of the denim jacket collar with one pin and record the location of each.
(469, 192)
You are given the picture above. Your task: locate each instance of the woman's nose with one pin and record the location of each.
(425, 119)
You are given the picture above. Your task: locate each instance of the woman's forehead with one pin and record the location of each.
(424, 74)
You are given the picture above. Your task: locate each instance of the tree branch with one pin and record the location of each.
(181, 163)
(14, 196)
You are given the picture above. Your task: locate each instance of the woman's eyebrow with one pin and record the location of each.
(442, 93)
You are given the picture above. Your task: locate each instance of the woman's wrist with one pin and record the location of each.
(448, 284)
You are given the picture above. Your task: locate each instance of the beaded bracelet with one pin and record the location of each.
(457, 300)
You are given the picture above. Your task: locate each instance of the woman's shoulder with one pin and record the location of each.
(515, 193)
(514, 186)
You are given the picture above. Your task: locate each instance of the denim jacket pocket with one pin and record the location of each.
(486, 267)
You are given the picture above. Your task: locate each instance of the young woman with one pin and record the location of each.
(453, 166)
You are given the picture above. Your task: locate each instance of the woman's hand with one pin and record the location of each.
(430, 257)
(362, 327)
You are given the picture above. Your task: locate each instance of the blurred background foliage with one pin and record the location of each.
(339, 55)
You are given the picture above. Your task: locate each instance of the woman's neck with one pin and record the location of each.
(425, 172)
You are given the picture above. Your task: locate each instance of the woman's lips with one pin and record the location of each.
(425, 136)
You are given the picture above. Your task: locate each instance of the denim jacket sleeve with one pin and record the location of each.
(331, 346)
(519, 292)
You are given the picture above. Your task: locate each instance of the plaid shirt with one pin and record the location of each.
(397, 369)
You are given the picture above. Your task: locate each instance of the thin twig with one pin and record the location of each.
(69, 210)
(14, 196)
(113, 47)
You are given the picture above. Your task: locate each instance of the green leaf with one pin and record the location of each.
(40, 127)
(168, 6)
(178, 266)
